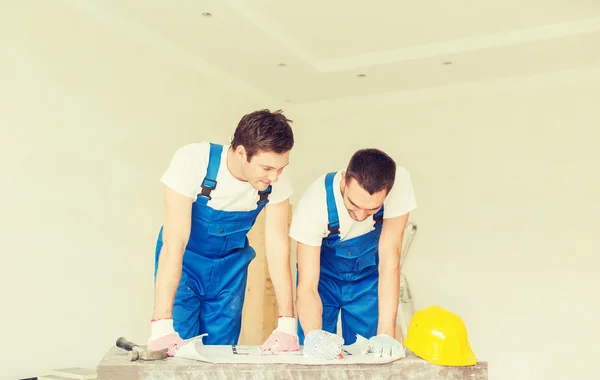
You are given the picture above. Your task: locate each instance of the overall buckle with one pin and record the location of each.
(378, 221)
(206, 189)
(264, 197)
(334, 228)
(378, 217)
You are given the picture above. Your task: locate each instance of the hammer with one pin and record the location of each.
(136, 352)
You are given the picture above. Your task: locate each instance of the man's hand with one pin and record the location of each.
(384, 346)
(320, 344)
(284, 337)
(164, 336)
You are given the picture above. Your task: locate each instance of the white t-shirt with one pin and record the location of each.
(188, 169)
(309, 222)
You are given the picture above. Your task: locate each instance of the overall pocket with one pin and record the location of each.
(358, 258)
(233, 234)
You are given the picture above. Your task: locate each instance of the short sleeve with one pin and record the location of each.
(401, 199)
(187, 169)
(309, 220)
(281, 190)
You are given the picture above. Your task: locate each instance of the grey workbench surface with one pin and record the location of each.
(116, 366)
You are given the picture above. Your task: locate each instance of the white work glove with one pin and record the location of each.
(284, 337)
(164, 336)
(321, 344)
(384, 346)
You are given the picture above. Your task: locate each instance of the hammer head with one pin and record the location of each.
(136, 352)
(147, 355)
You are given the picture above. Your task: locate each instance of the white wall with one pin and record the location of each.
(506, 178)
(89, 121)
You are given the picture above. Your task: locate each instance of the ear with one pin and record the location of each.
(343, 182)
(240, 151)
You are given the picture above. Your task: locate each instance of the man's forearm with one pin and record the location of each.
(389, 293)
(282, 284)
(168, 276)
(310, 309)
(278, 260)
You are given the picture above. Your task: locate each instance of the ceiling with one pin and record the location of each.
(311, 50)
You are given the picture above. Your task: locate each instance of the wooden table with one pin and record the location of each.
(116, 366)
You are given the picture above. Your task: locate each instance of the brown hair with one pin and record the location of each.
(373, 169)
(264, 131)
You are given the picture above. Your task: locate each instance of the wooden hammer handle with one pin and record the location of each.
(126, 344)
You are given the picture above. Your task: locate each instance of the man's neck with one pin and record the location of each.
(234, 165)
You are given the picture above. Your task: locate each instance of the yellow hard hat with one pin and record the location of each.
(440, 337)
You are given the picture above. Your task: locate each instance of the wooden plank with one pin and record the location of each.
(252, 313)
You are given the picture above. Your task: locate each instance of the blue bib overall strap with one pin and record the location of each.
(210, 295)
(209, 183)
(349, 276)
(333, 222)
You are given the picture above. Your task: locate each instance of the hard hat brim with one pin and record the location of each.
(468, 360)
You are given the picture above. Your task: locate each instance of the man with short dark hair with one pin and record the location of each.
(349, 226)
(212, 196)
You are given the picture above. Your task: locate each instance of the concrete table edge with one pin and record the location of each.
(116, 366)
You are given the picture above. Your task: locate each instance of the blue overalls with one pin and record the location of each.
(211, 291)
(349, 276)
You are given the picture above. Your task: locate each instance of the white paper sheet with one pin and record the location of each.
(353, 354)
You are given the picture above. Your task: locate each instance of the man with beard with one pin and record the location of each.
(349, 226)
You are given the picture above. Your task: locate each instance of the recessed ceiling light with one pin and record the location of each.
(281, 65)
(448, 63)
(206, 14)
(361, 75)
